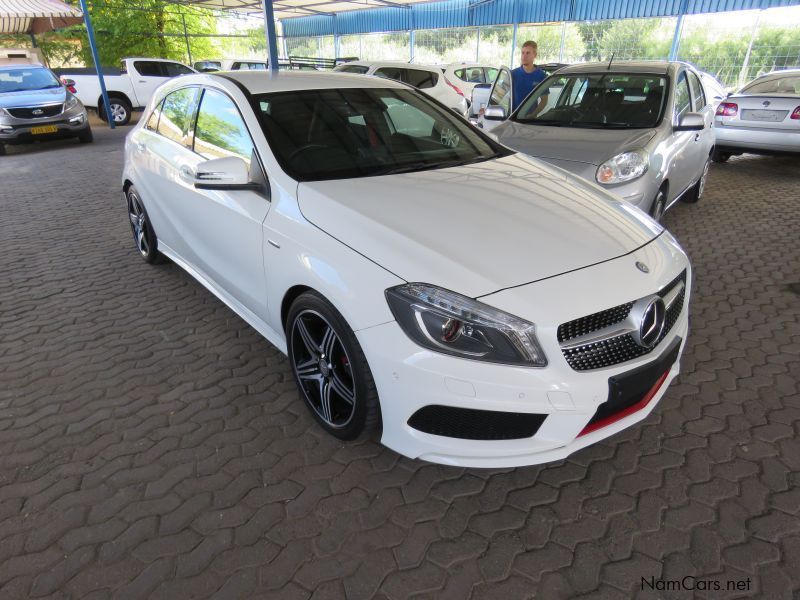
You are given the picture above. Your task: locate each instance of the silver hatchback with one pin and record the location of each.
(642, 130)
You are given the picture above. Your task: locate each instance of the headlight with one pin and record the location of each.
(4, 113)
(71, 103)
(623, 167)
(453, 324)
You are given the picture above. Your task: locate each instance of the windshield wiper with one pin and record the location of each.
(418, 166)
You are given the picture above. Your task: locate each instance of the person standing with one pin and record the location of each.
(527, 76)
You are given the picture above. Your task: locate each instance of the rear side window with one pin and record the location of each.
(395, 73)
(698, 98)
(176, 115)
(421, 79)
(461, 74)
(176, 69)
(150, 68)
(220, 129)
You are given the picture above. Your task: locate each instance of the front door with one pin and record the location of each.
(500, 96)
(223, 228)
(148, 76)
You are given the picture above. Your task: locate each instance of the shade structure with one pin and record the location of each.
(285, 9)
(36, 16)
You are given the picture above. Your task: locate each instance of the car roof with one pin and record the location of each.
(10, 66)
(622, 66)
(393, 63)
(262, 82)
(779, 74)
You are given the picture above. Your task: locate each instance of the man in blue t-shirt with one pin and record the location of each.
(527, 76)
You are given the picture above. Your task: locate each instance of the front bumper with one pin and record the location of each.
(410, 378)
(21, 131)
(756, 139)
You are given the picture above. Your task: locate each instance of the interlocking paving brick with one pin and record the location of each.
(153, 445)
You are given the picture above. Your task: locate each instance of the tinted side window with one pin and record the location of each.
(421, 79)
(392, 73)
(698, 97)
(220, 130)
(682, 97)
(176, 115)
(152, 121)
(149, 68)
(175, 69)
(461, 74)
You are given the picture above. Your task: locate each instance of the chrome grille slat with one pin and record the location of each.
(586, 346)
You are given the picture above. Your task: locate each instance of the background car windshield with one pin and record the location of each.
(347, 133)
(27, 79)
(777, 85)
(603, 100)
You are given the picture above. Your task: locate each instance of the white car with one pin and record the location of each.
(487, 309)
(428, 79)
(129, 88)
(465, 76)
(230, 64)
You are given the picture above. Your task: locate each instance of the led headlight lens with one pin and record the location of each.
(450, 323)
(623, 167)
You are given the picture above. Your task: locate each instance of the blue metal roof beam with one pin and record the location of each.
(465, 13)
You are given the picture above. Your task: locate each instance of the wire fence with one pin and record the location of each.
(734, 46)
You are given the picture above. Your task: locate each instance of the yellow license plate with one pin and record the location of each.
(44, 129)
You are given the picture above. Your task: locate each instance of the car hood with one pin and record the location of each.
(591, 146)
(478, 228)
(33, 97)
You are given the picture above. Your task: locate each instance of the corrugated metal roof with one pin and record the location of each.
(471, 13)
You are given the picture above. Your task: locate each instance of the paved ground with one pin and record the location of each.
(152, 445)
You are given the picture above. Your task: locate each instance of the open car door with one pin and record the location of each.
(499, 103)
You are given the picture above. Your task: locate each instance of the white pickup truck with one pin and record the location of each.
(129, 88)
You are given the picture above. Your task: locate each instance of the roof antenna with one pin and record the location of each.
(608, 68)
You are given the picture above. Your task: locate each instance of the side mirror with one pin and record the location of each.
(691, 122)
(494, 113)
(229, 173)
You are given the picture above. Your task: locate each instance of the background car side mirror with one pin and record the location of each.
(228, 173)
(691, 122)
(494, 113)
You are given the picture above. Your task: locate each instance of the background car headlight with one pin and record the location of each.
(4, 113)
(71, 102)
(623, 167)
(450, 323)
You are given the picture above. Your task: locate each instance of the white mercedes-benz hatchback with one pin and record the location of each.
(486, 309)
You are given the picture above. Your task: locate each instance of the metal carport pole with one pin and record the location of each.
(272, 38)
(90, 32)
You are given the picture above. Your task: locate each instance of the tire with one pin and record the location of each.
(120, 108)
(327, 362)
(143, 234)
(697, 190)
(659, 204)
(720, 157)
(86, 136)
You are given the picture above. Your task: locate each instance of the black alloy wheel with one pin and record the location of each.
(143, 235)
(330, 369)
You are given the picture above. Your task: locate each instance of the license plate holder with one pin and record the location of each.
(42, 129)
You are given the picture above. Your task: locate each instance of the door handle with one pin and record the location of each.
(696, 137)
(186, 173)
(142, 81)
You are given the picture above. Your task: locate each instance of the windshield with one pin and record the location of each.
(27, 79)
(596, 100)
(776, 85)
(356, 132)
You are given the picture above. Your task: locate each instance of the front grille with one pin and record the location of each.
(472, 424)
(28, 112)
(619, 349)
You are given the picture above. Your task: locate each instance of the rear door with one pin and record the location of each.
(146, 76)
(702, 140)
(683, 148)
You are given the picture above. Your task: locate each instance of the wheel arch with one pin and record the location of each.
(120, 95)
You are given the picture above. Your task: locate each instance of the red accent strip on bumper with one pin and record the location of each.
(627, 411)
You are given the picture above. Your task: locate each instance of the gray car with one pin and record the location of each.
(642, 130)
(762, 118)
(35, 105)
